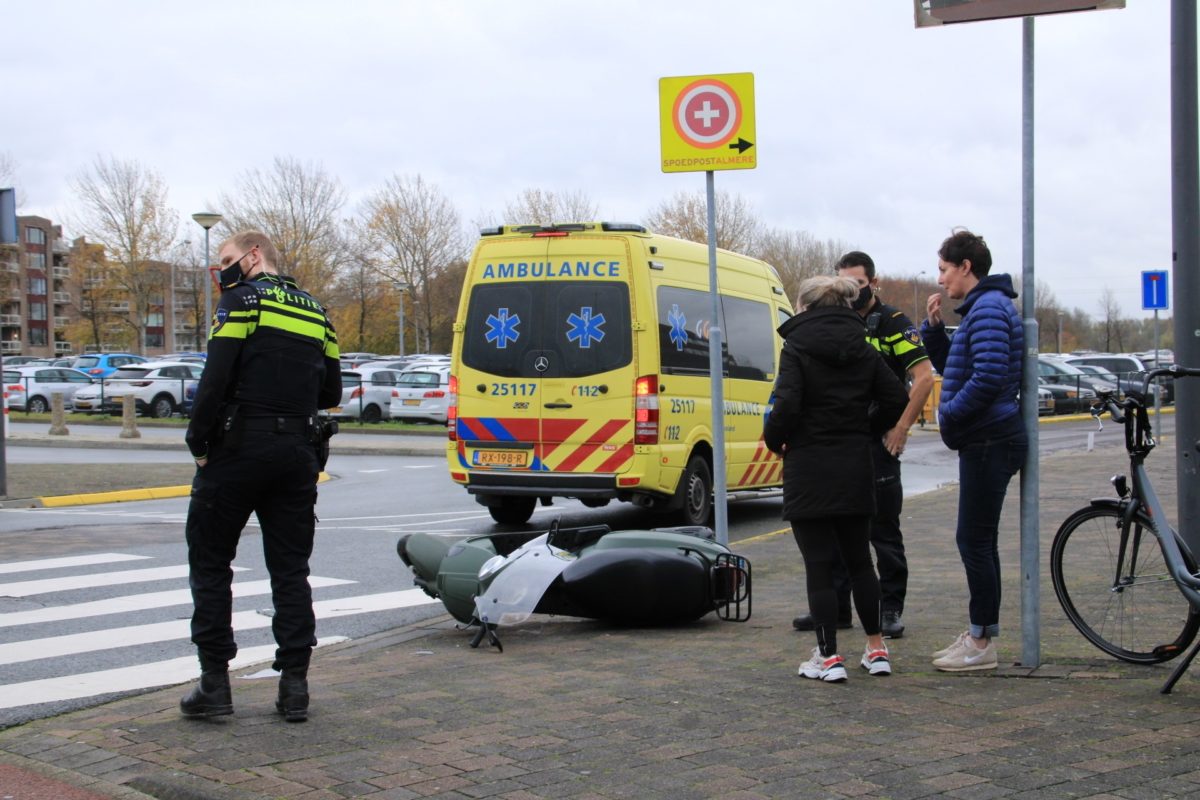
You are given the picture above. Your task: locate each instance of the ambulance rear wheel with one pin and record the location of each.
(697, 487)
(513, 510)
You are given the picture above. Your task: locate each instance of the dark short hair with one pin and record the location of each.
(963, 245)
(857, 258)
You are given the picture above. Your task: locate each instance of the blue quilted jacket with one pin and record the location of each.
(981, 365)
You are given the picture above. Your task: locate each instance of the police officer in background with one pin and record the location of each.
(258, 445)
(897, 340)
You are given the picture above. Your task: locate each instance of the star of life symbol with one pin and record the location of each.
(502, 328)
(679, 334)
(583, 327)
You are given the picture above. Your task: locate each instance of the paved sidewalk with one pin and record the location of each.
(584, 710)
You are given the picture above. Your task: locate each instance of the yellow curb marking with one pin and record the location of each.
(125, 495)
(762, 536)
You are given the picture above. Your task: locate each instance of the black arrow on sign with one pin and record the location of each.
(741, 145)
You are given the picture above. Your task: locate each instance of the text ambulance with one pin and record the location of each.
(580, 369)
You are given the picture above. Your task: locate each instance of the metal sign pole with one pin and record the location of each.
(1030, 564)
(716, 369)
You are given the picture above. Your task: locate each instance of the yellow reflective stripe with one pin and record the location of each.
(315, 330)
(238, 325)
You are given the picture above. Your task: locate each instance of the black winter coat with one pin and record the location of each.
(833, 394)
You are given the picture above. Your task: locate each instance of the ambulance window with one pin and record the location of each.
(684, 316)
(750, 337)
(784, 315)
(500, 327)
(590, 326)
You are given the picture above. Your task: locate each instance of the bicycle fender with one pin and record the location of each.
(1105, 502)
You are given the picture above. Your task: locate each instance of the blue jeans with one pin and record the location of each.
(984, 470)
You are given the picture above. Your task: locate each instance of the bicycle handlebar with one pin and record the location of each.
(1107, 400)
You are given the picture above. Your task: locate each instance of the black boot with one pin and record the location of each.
(211, 697)
(293, 694)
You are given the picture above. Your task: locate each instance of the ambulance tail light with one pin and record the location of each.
(452, 411)
(645, 410)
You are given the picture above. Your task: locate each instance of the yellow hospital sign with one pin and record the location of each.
(706, 122)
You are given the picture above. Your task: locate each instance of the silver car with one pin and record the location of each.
(30, 388)
(423, 394)
(367, 393)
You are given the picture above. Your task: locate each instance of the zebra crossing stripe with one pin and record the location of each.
(92, 641)
(71, 582)
(70, 561)
(139, 602)
(125, 679)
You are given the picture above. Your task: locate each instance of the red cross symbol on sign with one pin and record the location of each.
(707, 113)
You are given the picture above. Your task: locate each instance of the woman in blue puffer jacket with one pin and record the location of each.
(979, 416)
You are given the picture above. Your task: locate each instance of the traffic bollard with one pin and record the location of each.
(129, 418)
(58, 417)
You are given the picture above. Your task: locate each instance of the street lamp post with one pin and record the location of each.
(1058, 339)
(206, 219)
(401, 288)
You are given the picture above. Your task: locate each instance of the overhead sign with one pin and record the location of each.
(946, 12)
(1155, 294)
(706, 122)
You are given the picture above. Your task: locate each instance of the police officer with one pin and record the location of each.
(256, 440)
(897, 340)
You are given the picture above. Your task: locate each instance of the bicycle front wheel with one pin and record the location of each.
(1115, 587)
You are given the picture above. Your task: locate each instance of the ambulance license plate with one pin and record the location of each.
(501, 458)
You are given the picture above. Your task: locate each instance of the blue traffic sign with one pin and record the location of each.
(1155, 294)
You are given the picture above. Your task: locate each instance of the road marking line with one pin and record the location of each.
(125, 679)
(69, 582)
(76, 643)
(138, 602)
(68, 561)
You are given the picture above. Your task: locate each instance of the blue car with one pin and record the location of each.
(101, 365)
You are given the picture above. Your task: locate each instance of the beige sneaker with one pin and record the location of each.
(946, 650)
(967, 657)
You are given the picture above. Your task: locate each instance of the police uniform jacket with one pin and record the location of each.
(834, 394)
(896, 339)
(272, 352)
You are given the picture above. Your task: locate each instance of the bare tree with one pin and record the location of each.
(1110, 320)
(124, 208)
(797, 255)
(544, 207)
(297, 206)
(685, 216)
(362, 305)
(415, 233)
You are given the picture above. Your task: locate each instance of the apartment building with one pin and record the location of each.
(55, 299)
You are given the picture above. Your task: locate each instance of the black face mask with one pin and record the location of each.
(864, 298)
(233, 273)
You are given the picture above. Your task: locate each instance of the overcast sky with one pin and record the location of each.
(868, 130)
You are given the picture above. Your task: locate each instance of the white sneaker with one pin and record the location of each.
(946, 650)
(830, 669)
(967, 657)
(876, 661)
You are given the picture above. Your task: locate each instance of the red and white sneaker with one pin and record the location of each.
(830, 669)
(876, 661)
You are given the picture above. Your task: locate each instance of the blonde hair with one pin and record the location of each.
(827, 290)
(247, 239)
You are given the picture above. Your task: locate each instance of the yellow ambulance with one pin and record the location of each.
(580, 369)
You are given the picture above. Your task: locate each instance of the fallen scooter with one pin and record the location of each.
(661, 576)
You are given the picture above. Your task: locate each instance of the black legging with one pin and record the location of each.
(821, 540)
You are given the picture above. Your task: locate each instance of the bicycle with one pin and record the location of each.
(1127, 583)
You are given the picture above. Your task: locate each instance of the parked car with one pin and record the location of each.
(422, 394)
(1068, 398)
(1059, 371)
(366, 394)
(1126, 367)
(1045, 401)
(195, 358)
(101, 365)
(16, 361)
(30, 388)
(1122, 384)
(158, 388)
(355, 360)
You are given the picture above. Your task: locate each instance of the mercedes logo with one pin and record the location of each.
(541, 363)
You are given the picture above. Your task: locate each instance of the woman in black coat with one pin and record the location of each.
(833, 394)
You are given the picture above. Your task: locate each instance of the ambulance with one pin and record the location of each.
(580, 369)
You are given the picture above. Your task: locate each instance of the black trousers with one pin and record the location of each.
(273, 475)
(886, 538)
(837, 540)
